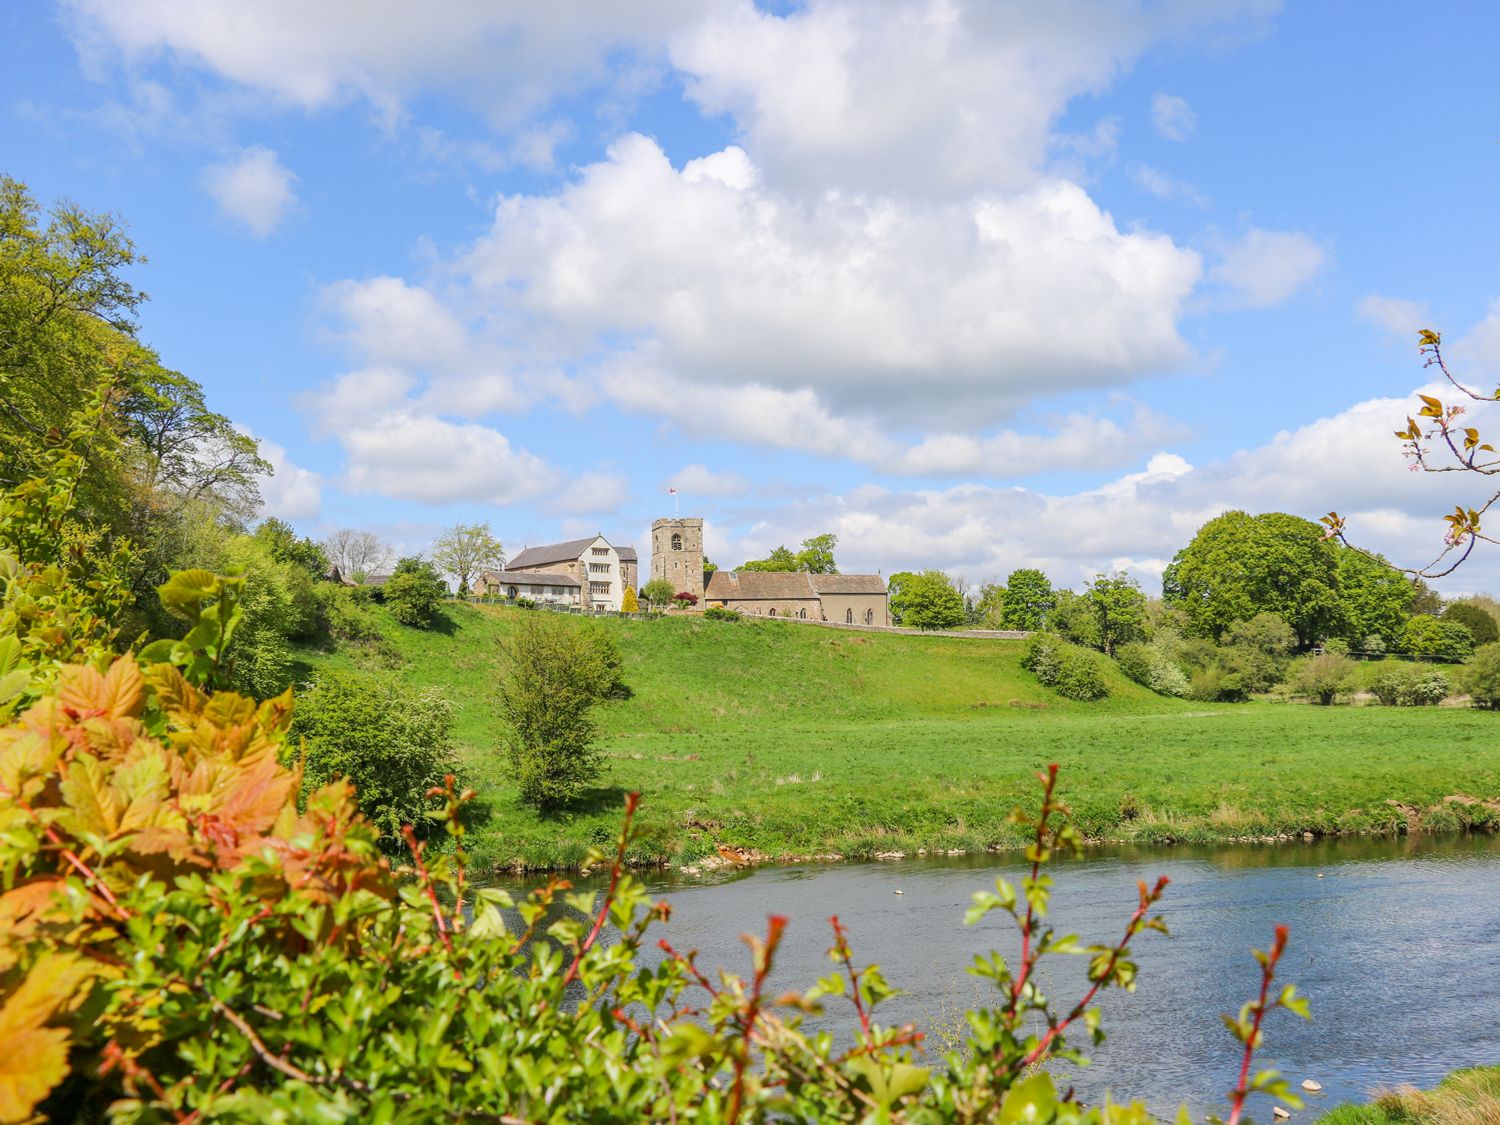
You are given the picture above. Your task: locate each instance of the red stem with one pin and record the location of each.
(1267, 973)
(616, 869)
(841, 943)
(775, 926)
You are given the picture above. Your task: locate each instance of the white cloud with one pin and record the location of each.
(1173, 117)
(1155, 182)
(254, 189)
(958, 309)
(410, 456)
(1397, 316)
(699, 481)
(918, 96)
(290, 492)
(1265, 267)
(591, 494)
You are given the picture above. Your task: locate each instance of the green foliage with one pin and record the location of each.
(414, 593)
(1477, 620)
(1480, 677)
(658, 592)
(1375, 599)
(1070, 670)
(1150, 666)
(1218, 684)
(345, 615)
(1373, 645)
(1322, 677)
(1428, 636)
(1027, 601)
(1409, 685)
(1239, 565)
(925, 601)
(721, 613)
(553, 678)
(1336, 646)
(815, 557)
(1119, 611)
(392, 742)
(284, 546)
(1256, 652)
(465, 551)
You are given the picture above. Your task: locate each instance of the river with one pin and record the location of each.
(1396, 943)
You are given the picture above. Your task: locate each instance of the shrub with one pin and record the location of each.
(414, 592)
(1410, 685)
(1071, 671)
(1476, 619)
(345, 614)
(721, 613)
(525, 603)
(1218, 684)
(1480, 677)
(555, 673)
(1373, 645)
(658, 592)
(1336, 646)
(1150, 667)
(684, 598)
(1426, 635)
(393, 743)
(629, 603)
(1322, 677)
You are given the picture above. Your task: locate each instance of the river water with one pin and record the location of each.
(1396, 944)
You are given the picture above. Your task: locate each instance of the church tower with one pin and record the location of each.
(677, 554)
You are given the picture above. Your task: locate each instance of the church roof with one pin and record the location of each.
(848, 583)
(755, 585)
(564, 552)
(528, 578)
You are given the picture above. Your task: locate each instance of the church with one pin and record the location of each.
(844, 599)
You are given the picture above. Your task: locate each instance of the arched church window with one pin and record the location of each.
(869, 617)
(802, 613)
(676, 542)
(848, 617)
(773, 611)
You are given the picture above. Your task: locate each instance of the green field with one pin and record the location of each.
(798, 741)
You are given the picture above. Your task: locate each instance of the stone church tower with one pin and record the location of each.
(677, 554)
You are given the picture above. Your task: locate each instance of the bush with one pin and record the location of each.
(1410, 685)
(629, 603)
(1429, 636)
(721, 613)
(1217, 684)
(345, 614)
(1150, 667)
(1373, 645)
(393, 743)
(1480, 677)
(1336, 646)
(1476, 619)
(684, 598)
(1322, 677)
(658, 592)
(1071, 671)
(555, 673)
(414, 592)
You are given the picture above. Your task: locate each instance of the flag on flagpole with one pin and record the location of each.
(672, 491)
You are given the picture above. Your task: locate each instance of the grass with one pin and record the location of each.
(796, 741)
(1465, 1097)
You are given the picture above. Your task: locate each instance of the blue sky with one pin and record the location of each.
(974, 286)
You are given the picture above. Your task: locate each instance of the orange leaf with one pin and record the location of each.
(33, 1057)
(123, 689)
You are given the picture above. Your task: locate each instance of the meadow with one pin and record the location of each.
(795, 741)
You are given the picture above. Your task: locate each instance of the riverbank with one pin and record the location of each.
(1465, 1097)
(796, 743)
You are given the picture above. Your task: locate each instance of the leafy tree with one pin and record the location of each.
(629, 603)
(1480, 677)
(1119, 607)
(286, 547)
(1240, 565)
(393, 742)
(816, 556)
(1322, 677)
(414, 592)
(708, 566)
(658, 592)
(357, 554)
(1374, 597)
(1475, 619)
(1072, 617)
(682, 599)
(1070, 670)
(464, 550)
(925, 601)
(1151, 667)
(1429, 636)
(1256, 652)
(780, 559)
(554, 675)
(989, 607)
(1028, 600)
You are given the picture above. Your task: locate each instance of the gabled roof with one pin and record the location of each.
(627, 554)
(759, 585)
(848, 583)
(563, 552)
(527, 578)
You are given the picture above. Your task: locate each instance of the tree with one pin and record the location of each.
(658, 592)
(989, 607)
(357, 554)
(709, 566)
(1322, 677)
(464, 550)
(1239, 565)
(925, 601)
(393, 741)
(684, 599)
(1374, 597)
(1119, 607)
(1028, 600)
(1475, 619)
(816, 556)
(285, 547)
(1428, 636)
(414, 592)
(554, 674)
(1480, 677)
(628, 601)
(1256, 651)
(781, 558)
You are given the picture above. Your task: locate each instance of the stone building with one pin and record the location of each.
(597, 570)
(677, 554)
(847, 599)
(539, 586)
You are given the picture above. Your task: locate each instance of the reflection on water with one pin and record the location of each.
(1397, 945)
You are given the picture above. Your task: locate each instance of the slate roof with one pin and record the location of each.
(528, 578)
(758, 585)
(551, 553)
(848, 583)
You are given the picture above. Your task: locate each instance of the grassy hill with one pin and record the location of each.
(799, 741)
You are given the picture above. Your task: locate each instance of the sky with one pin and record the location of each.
(973, 286)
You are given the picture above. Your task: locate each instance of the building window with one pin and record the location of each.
(848, 617)
(773, 611)
(601, 550)
(514, 593)
(598, 587)
(676, 542)
(869, 617)
(598, 568)
(802, 613)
